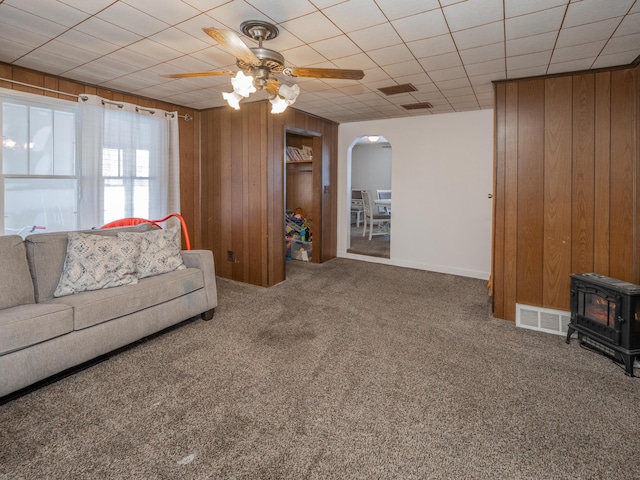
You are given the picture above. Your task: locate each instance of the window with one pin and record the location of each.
(38, 184)
(69, 165)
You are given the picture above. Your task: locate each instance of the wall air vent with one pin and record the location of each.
(542, 319)
(395, 89)
(417, 106)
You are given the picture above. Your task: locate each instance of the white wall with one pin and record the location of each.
(441, 176)
(371, 167)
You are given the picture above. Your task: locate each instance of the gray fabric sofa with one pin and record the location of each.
(41, 336)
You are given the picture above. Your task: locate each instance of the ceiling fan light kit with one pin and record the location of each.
(256, 64)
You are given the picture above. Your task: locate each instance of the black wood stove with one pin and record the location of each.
(606, 314)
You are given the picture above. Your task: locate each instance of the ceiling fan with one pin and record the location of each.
(259, 63)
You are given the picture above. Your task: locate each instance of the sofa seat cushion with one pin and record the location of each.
(26, 325)
(16, 287)
(98, 306)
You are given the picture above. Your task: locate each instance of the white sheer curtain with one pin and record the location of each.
(129, 162)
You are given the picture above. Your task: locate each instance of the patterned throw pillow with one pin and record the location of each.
(97, 261)
(159, 251)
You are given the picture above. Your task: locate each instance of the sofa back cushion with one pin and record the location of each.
(47, 251)
(16, 287)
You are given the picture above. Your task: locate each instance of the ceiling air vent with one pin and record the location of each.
(417, 106)
(395, 89)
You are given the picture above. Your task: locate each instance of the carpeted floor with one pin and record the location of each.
(348, 370)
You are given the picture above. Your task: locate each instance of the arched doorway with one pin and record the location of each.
(370, 161)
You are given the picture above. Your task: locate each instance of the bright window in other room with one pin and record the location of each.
(38, 183)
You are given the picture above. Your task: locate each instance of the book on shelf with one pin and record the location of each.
(294, 154)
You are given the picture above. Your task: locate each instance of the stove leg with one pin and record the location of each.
(570, 331)
(628, 364)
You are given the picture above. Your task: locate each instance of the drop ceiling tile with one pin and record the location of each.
(457, 85)
(188, 64)
(87, 42)
(578, 52)
(53, 11)
(532, 44)
(479, 36)
(424, 25)
(178, 40)
(168, 12)
(283, 10)
(630, 25)
(131, 57)
(459, 94)
(484, 81)
(447, 74)
(29, 22)
(484, 89)
(527, 61)
(402, 69)
(108, 32)
(576, 65)
(302, 56)
(414, 79)
(336, 47)
(615, 59)
(77, 55)
(154, 50)
(482, 54)
(127, 82)
(484, 68)
(312, 28)
(589, 11)
(360, 62)
(129, 18)
(429, 47)
(233, 13)
(54, 64)
(534, 23)
(587, 33)
(355, 15)
(439, 62)
(627, 43)
(379, 36)
(11, 51)
(394, 9)
(527, 72)
(389, 55)
(88, 6)
(472, 13)
(515, 8)
(14, 34)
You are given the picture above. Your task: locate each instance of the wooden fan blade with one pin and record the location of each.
(324, 73)
(272, 86)
(199, 74)
(232, 44)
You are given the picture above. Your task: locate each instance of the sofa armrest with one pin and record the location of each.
(203, 259)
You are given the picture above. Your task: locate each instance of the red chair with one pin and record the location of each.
(124, 222)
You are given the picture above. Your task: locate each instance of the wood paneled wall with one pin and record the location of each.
(243, 189)
(189, 131)
(566, 185)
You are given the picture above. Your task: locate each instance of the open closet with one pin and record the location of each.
(303, 156)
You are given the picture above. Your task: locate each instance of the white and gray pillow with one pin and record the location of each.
(97, 261)
(159, 251)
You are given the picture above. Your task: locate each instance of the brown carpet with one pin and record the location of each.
(348, 370)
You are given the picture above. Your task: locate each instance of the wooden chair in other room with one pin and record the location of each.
(372, 217)
(384, 195)
(357, 205)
